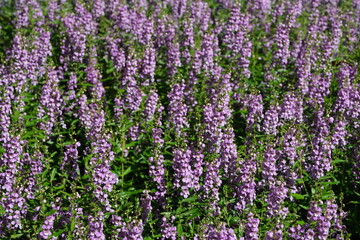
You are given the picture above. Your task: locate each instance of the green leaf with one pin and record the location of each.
(339, 161)
(297, 196)
(109, 70)
(336, 182)
(192, 213)
(45, 173)
(304, 207)
(58, 233)
(74, 122)
(51, 212)
(301, 222)
(59, 187)
(16, 235)
(179, 229)
(180, 210)
(131, 144)
(73, 223)
(86, 176)
(2, 210)
(191, 199)
(53, 173)
(66, 143)
(127, 171)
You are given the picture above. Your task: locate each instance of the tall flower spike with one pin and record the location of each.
(183, 172)
(51, 103)
(252, 227)
(177, 108)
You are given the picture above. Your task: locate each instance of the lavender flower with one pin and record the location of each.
(301, 232)
(252, 227)
(115, 53)
(98, 8)
(187, 40)
(255, 111)
(282, 43)
(271, 120)
(173, 58)
(183, 171)
(35, 168)
(11, 201)
(291, 109)
(177, 109)
(275, 199)
(207, 52)
(96, 227)
(321, 152)
(93, 77)
(147, 71)
(269, 166)
(151, 105)
(70, 160)
(92, 119)
(47, 227)
(51, 103)
(222, 233)
(146, 205)
(168, 231)
(78, 27)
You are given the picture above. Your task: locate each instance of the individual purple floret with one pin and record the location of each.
(274, 234)
(130, 231)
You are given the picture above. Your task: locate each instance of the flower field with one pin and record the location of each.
(180, 119)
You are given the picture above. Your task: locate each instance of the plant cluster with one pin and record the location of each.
(179, 119)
